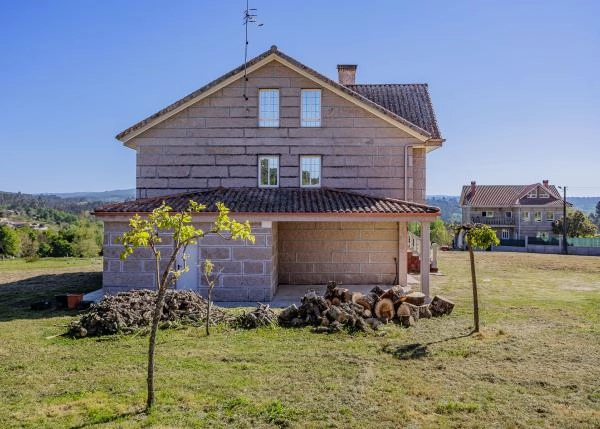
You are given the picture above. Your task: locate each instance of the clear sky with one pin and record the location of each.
(515, 84)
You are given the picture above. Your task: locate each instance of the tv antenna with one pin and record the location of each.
(249, 17)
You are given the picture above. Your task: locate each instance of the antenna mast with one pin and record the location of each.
(249, 16)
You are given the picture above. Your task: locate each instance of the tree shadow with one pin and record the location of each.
(17, 297)
(418, 350)
(109, 419)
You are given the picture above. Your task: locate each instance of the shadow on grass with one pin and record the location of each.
(112, 418)
(16, 297)
(418, 350)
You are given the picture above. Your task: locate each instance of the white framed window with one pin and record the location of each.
(550, 216)
(533, 193)
(543, 194)
(268, 171)
(310, 108)
(537, 216)
(268, 108)
(525, 216)
(505, 234)
(487, 214)
(310, 171)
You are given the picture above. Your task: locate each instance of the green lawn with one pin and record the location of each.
(535, 363)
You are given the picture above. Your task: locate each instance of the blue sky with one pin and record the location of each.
(515, 84)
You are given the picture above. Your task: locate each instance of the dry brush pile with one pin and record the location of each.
(339, 308)
(130, 311)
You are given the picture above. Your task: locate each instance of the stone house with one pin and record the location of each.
(328, 174)
(515, 212)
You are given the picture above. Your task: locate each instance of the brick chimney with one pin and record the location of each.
(545, 183)
(347, 74)
(473, 187)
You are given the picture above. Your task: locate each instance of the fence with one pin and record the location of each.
(584, 242)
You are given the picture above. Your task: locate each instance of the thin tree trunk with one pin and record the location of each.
(156, 314)
(475, 299)
(208, 310)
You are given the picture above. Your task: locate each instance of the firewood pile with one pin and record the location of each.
(261, 316)
(129, 311)
(339, 308)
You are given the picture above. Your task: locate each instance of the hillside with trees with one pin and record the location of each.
(33, 226)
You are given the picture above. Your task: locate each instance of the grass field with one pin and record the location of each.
(536, 362)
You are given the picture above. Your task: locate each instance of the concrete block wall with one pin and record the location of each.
(217, 141)
(249, 270)
(346, 252)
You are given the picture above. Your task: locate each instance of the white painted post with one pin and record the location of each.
(425, 258)
(402, 253)
(434, 248)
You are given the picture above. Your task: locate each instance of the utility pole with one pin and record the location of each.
(565, 244)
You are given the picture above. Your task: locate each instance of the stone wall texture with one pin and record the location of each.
(217, 141)
(346, 252)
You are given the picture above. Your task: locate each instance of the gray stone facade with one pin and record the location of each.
(216, 142)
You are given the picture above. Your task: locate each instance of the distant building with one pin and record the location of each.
(515, 212)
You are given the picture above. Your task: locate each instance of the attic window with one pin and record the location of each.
(543, 195)
(310, 107)
(532, 194)
(268, 108)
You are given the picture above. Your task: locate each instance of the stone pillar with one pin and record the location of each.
(402, 253)
(425, 258)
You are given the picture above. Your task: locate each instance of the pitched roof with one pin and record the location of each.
(422, 117)
(410, 101)
(276, 201)
(508, 196)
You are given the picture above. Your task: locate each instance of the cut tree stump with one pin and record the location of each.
(384, 309)
(414, 298)
(440, 306)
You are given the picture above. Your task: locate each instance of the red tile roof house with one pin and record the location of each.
(515, 212)
(328, 173)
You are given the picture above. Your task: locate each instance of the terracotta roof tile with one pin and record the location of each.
(276, 201)
(410, 101)
(508, 196)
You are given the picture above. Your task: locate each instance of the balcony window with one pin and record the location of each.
(537, 216)
(525, 216)
(487, 214)
(550, 216)
(268, 108)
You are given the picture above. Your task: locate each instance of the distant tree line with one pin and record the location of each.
(68, 228)
(82, 238)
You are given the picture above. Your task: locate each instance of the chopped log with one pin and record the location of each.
(356, 296)
(288, 314)
(414, 298)
(377, 291)
(396, 293)
(336, 301)
(384, 309)
(414, 310)
(346, 296)
(405, 315)
(424, 311)
(366, 301)
(441, 306)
